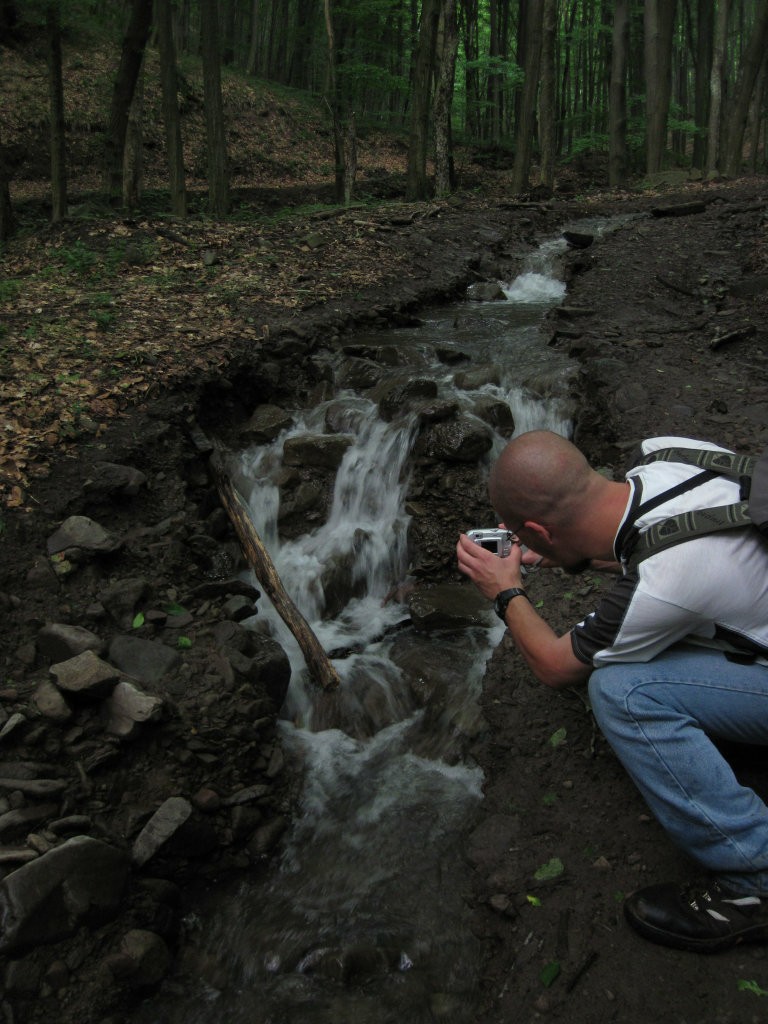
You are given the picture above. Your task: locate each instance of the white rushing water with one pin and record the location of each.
(363, 918)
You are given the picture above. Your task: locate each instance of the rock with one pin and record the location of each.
(359, 374)
(449, 606)
(123, 598)
(58, 641)
(495, 412)
(50, 702)
(477, 377)
(81, 881)
(317, 450)
(86, 674)
(17, 822)
(266, 837)
(163, 824)
(110, 479)
(486, 291)
(128, 707)
(84, 534)
(267, 422)
(148, 958)
(398, 395)
(144, 660)
(459, 440)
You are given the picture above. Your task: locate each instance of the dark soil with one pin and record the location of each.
(667, 317)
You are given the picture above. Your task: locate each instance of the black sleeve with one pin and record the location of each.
(600, 629)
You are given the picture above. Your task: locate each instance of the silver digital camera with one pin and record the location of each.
(497, 541)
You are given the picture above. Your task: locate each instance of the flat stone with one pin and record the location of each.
(58, 641)
(144, 660)
(128, 707)
(163, 824)
(80, 881)
(86, 673)
(84, 533)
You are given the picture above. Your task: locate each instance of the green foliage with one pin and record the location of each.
(9, 290)
(751, 986)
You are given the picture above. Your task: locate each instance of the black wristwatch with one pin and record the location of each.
(503, 598)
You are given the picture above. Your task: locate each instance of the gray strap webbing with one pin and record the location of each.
(726, 463)
(687, 525)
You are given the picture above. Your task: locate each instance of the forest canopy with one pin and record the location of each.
(634, 86)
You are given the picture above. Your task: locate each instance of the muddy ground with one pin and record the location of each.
(667, 319)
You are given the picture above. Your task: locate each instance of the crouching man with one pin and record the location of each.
(676, 655)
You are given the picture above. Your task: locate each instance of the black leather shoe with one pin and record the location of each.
(703, 918)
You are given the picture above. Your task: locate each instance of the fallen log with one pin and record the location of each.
(678, 210)
(320, 668)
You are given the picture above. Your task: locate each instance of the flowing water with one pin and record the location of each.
(365, 918)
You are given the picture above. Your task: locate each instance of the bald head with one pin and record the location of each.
(540, 476)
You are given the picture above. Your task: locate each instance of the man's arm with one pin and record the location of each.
(550, 657)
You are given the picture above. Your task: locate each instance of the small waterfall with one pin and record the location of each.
(363, 918)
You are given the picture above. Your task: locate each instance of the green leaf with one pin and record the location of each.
(549, 799)
(558, 737)
(184, 642)
(534, 901)
(175, 609)
(550, 973)
(138, 620)
(552, 869)
(750, 986)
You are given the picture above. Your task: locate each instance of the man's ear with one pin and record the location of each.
(540, 530)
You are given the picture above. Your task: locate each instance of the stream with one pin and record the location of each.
(364, 917)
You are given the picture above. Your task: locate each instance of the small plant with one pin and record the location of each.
(9, 290)
(78, 258)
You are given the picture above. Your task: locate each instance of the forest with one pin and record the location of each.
(629, 87)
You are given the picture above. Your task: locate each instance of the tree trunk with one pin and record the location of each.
(548, 116)
(659, 23)
(133, 158)
(56, 96)
(218, 172)
(716, 87)
(704, 32)
(169, 85)
(526, 122)
(344, 139)
(617, 104)
(131, 57)
(752, 61)
(444, 176)
(7, 168)
(251, 63)
(418, 139)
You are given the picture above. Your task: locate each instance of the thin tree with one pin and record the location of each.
(416, 176)
(702, 50)
(547, 113)
(526, 121)
(659, 22)
(132, 54)
(343, 128)
(444, 170)
(617, 97)
(170, 88)
(133, 157)
(56, 97)
(752, 61)
(216, 146)
(7, 170)
(716, 86)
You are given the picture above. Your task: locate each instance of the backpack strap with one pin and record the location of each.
(696, 522)
(687, 525)
(736, 467)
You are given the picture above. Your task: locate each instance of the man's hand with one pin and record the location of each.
(488, 572)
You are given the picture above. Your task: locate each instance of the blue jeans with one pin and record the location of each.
(658, 717)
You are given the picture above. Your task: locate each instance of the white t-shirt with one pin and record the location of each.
(711, 590)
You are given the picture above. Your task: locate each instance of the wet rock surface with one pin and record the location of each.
(139, 755)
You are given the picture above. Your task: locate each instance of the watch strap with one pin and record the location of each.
(503, 598)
